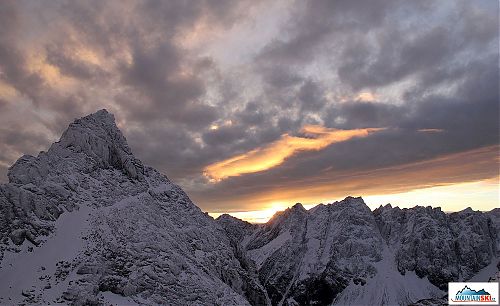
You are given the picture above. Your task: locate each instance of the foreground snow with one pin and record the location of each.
(389, 286)
(32, 274)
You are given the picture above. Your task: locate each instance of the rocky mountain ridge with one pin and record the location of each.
(344, 253)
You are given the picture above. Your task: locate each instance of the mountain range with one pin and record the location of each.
(87, 223)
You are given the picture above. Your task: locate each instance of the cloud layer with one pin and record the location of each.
(194, 84)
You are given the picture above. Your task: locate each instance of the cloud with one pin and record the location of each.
(87, 57)
(314, 138)
(170, 70)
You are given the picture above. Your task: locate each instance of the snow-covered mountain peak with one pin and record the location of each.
(91, 142)
(102, 115)
(229, 220)
(101, 123)
(350, 208)
(98, 137)
(135, 236)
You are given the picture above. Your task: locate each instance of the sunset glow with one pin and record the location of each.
(482, 195)
(257, 216)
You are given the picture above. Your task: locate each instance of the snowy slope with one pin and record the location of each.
(34, 268)
(388, 286)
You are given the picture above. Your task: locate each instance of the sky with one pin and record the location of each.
(252, 106)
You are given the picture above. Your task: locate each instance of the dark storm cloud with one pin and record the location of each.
(397, 56)
(17, 136)
(228, 140)
(381, 42)
(251, 115)
(468, 120)
(420, 127)
(314, 24)
(223, 135)
(311, 96)
(358, 114)
(279, 76)
(465, 121)
(150, 91)
(155, 73)
(174, 153)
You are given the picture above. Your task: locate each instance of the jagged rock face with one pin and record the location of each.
(308, 257)
(136, 235)
(443, 247)
(236, 231)
(343, 253)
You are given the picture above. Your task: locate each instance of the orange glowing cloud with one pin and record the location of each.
(366, 97)
(315, 138)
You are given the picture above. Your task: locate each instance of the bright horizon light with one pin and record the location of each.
(479, 195)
